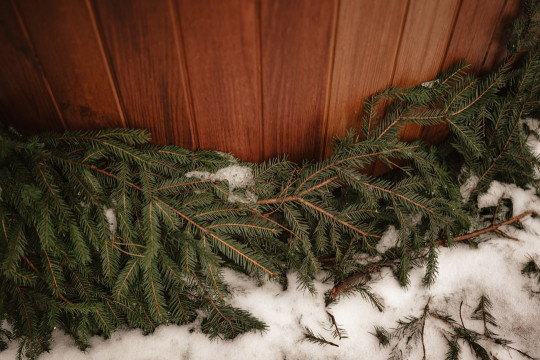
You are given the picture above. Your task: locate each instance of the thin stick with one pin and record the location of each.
(426, 313)
(490, 228)
(506, 235)
(335, 324)
(460, 315)
(346, 284)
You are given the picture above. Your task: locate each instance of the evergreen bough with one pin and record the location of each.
(410, 334)
(65, 263)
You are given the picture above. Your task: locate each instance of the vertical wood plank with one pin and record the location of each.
(296, 40)
(25, 102)
(478, 28)
(425, 40)
(423, 46)
(221, 46)
(215, 69)
(366, 49)
(65, 41)
(422, 50)
(497, 48)
(139, 38)
(475, 25)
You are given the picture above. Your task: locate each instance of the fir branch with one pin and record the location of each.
(317, 338)
(531, 269)
(382, 335)
(160, 260)
(491, 228)
(338, 331)
(219, 239)
(482, 312)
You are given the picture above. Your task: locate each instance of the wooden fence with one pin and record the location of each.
(257, 78)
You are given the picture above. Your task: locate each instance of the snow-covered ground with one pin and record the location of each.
(465, 273)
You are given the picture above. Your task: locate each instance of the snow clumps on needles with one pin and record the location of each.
(238, 177)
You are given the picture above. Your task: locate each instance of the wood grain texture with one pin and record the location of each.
(473, 32)
(297, 48)
(478, 38)
(497, 48)
(424, 40)
(65, 42)
(221, 45)
(422, 50)
(139, 38)
(25, 101)
(257, 78)
(366, 50)
(423, 46)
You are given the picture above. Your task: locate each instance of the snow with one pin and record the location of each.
(111, 219)
(430, 84)
(388, 239)
(238, 177)
(467, 186)
(465, 273)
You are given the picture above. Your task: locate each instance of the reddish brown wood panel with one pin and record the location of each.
(366, 49)
(25, 101)
(423, 46)
(472, 35)
(297, 48)
(475, 39)
(64, 39)
(221, 47)
(422, 50)
(501, 34)
(139, 39)
(257, 78)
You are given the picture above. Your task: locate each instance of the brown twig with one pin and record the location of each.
(346, 284)
(461, 314)
(499, 232)
(426, 313)
(491, 228)
(335, 324)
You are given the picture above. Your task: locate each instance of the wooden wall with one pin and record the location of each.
(257, 78)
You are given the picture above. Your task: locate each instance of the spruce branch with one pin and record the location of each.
(492, 228)
(70, 265)
(338, 331)
(482, 312)
(310, 336)
(354, 278)
(410, 331)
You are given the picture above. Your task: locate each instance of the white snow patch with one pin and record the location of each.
(534, 146)
(238, 177)
(532, 124)
(388, 239)
(429, 84)
(491, 197)
(532, 142)
(465, 273)
(522, 200)
(111, 219)
(467, 186)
